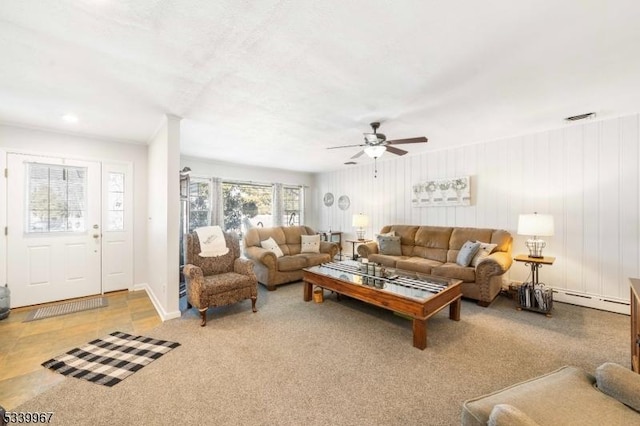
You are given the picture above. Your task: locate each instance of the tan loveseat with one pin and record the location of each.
(271, 270)
(568, 396)
(434, 250)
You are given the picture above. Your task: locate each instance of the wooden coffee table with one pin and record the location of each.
(418, 296)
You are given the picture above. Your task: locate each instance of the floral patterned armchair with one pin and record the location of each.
(218, 281)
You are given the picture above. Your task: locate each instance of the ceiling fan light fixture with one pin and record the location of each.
(371, 138)
(375, 151)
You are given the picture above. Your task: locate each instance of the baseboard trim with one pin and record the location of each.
(164, 315)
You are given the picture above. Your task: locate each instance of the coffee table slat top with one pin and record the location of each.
(408, 284)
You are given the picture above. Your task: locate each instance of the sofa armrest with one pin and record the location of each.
(264, 256)
(243, 267)
(364, 250)
(329, 247)
(498, 262)
(619, 383)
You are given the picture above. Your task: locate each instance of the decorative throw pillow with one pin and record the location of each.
(466, 253)
(484, 251)
(271, 245)
(387, 234)
(310, 244)
(389, 245)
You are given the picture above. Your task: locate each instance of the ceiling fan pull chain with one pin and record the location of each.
(375, 167)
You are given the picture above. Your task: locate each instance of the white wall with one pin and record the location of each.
(585, 175)
(40, 142)
(164, 218)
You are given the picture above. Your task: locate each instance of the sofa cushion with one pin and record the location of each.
(292, 263)
(310, 243)
(502, 238)
(467, 252)
(432, 242)
(407, 234)
(484, 251)
(565, 396)
(453, 270)
(314, 259)
(619, 383)
(417, 264)
(386, 260)
(389, 245)
(272, 246)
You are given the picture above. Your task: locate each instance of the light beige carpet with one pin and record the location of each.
(337, 363)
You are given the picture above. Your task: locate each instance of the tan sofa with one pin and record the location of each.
(434, 250)
(568, 396)
(271, 270)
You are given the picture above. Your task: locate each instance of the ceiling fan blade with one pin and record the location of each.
(409, 140)
(396, 151)
(358, 154)
(346, 146)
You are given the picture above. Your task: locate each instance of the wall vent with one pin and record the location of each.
(581, 116)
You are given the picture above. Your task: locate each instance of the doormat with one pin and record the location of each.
(66, 308)
(111, 359)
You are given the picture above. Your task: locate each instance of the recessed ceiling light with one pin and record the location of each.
(70, 118)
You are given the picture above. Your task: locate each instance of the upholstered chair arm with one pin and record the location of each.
(329, 247)
(264, 256)
(244, 267)
(364, 250)
(195, 284)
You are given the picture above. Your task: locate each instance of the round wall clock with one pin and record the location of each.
(328, 199)
(344, 202)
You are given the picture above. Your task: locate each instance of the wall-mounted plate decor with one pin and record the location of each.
(344, 202)
(328, 199)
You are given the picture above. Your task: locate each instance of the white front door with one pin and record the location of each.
(117, 232)
(53, 218)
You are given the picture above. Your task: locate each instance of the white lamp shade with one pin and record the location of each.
(360, 220)
(375, 151)
(539, 225)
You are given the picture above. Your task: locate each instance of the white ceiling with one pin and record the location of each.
(274, 83)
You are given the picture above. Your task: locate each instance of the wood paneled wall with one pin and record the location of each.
(585, 175)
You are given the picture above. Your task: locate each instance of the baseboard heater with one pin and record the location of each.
(590, 301)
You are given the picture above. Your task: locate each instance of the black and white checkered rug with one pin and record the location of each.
(111, 359)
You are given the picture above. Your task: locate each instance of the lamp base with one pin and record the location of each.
(360, 233)
(535, 247)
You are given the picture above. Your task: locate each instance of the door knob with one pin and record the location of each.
(96, 235)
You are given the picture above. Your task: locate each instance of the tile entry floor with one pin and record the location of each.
(24, 346)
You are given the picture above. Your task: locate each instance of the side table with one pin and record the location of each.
(353, 246)
(534, 296)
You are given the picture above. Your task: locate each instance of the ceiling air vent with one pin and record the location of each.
(581, 116)
(349, 163)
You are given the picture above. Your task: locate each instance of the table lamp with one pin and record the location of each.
(360, 221)
(536, 225)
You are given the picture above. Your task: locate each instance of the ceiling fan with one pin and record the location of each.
(375, 144)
